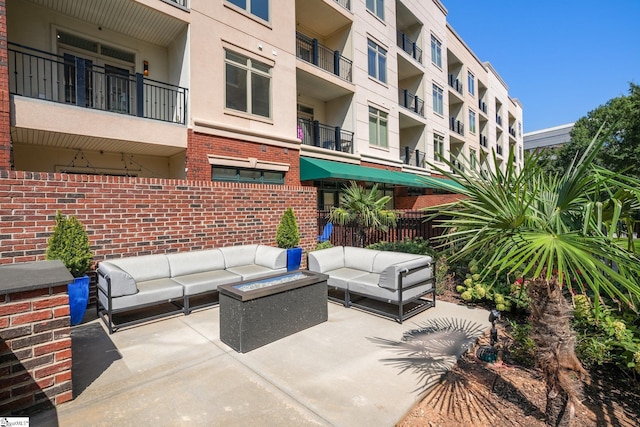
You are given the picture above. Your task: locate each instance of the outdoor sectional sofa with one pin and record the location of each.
(130, 283)
(362, 275)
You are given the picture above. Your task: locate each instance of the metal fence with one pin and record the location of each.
(310, 50)
(411, 224)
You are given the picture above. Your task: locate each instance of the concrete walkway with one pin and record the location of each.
(357, 369)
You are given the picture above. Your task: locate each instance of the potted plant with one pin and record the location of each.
(288, 237)
(70, 244)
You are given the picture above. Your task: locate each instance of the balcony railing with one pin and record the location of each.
(316, 134)
(71, 80)
(310, 50)
(457, 163)
(455, 83)
(498, 120)
(499, 149)
(344, 3)
(409, 46)
(456, 125)
(414, 157)
(482, 106)
(411, 101)
(483, 141)
(512, 132)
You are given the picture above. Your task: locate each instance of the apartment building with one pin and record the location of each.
(316, 93)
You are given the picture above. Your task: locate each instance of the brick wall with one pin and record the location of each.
(35, 350)
(135, 216)
(5, 136)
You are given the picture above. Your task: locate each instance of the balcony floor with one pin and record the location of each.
(354, 369)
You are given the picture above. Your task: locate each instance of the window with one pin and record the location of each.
(471, 83)
(248, 85)
(436, 51)
(437, 99)
(223, 173)
(438, 147)
(377, 62)
(473, 158)
(378, 128)
(472, 121)
(259, 8)
(376, 7)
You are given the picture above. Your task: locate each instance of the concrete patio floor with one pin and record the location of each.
(356, 369)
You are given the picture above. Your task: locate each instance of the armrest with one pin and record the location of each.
(414, 272)
(270, 257)
(112, 278)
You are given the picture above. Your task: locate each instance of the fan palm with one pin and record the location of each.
(557, 231)
(366, 209)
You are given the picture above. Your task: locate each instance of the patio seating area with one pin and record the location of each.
(354, 369)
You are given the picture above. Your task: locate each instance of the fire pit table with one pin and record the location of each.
(254, 313)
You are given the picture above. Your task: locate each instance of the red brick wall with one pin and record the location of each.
(35, 350)
(133, 216)
(424, 201)
(200, 145)
(5, 136)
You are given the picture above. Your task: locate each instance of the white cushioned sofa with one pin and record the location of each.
(125, 284)
(395, 278)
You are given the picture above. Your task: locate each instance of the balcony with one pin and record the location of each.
(456, 164)
(455, 84)
(409, 46)
(456, 125)
(310, 50)
(344, 3)
(411, 101)
(512, 131)
(316, 134)
(498, 120)
(483, 141)
(75, 81)
(182, 3)
(499, 149)
(482, 106)
(414, 157)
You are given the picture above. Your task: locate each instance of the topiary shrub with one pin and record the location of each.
(70, 244)
(287, 234)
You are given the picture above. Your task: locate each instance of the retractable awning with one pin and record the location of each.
(317, 169)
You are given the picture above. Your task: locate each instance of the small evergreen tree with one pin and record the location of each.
(287, 234)
(70, 244)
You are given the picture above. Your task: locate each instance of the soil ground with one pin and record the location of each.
(506, 394)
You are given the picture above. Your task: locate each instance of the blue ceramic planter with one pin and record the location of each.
(294, 257)
(78, 297)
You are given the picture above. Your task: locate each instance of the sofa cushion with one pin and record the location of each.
(184, 263)
(121, 282)
(206, 281)
(359, 258)
(149, 292)
(144, 267)
(389, 276)
(324, 260)
(340, 277)
(270, 257)
(254, 271)
(239, 255)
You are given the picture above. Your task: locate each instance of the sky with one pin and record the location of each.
(559, 58)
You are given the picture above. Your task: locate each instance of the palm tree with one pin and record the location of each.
(366, 209)
(551, 230)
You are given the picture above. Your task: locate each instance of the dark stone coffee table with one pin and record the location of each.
(254, 313)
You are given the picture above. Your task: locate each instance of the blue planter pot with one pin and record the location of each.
(78, 298)
(294, 257)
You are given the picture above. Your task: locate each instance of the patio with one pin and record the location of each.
(355, 369)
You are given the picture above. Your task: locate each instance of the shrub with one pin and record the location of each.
(523, 348)
(70, 244)
(444, 280)
(418, 246)
(287, 234)
(323, 245)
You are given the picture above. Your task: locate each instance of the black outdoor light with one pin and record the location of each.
(493, 316)
(487, 353)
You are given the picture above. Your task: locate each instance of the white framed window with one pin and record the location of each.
(376, 7)
(378, 128)
(259, 8)
(248, 85)
(436, 51)
(471, 83)
(438, 147)
(472, 121)
(438, 106)
(377, 63)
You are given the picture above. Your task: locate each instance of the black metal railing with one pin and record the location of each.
(409, 46)
(183, 3)
(499, 149)
(411, 101)
(512, 132)
(316, 134)
(457, 163)
(455, 83)
(410, 224)
(483, 141)
(312, 51)
(71, 80)
(344, 3)
(456, 125)
(482, 106)
(498, 120)
(414, 157)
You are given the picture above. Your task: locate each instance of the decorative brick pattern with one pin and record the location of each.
(35, 350)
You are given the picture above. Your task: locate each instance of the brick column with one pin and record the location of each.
(5, 123)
